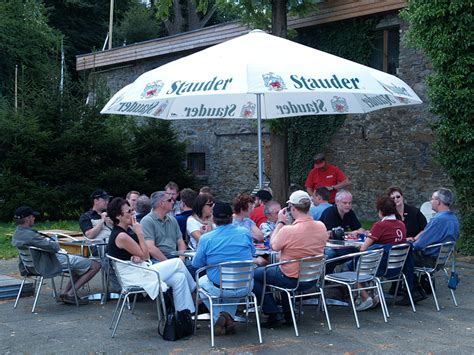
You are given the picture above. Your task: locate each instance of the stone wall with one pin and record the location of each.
(391, 146)
(376, 150)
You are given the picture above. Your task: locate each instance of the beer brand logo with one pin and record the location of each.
(152, 89)
(273, 82)
(248, 110)
(339, 104)
(161, 108)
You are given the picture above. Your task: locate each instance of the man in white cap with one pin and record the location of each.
(304, 237)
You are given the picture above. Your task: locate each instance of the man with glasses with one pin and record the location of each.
(327, 175)
(161, 231)
(271, 212)
(442, 228)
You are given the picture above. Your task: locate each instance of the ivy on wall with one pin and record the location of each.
(443, 31)
(351, 39)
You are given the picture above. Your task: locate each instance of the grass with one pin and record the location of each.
(7, 251)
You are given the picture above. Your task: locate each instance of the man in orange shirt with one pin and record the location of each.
(325, 175)
(304, 237)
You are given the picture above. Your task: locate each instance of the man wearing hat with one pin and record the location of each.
(327, 175)
(262, 197)
(94, 223)
(304, 237)
(83, 269)
(225, 243)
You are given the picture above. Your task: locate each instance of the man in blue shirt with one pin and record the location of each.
(320, 202)
(443, 227)
(226, 243)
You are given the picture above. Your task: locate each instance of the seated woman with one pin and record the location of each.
(243, 206)
(129, 244)
(389, 230)
(200, 221)
(414, 220)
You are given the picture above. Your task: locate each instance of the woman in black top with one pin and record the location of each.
(126, 244)
(414, 220)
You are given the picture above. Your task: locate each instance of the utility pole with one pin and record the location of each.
(111, 22)
(16, 88)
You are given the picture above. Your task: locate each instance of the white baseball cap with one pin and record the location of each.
(299, 197)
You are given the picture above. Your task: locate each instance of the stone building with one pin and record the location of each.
(376, 150)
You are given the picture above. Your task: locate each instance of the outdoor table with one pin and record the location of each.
(186, 253)
(343, 244)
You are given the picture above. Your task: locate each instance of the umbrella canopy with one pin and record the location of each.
(261, 76)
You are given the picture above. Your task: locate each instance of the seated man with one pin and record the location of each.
(188, 197)
(143, 207)
(161, 230)
(320, 202)
(304, 237)
(340, 215)
(94, 223)
(83, 269)
(443, 227)
(262, 197)
(271, 212)
(225, 243)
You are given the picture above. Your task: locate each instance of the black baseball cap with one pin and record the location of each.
(24, 211)
(222, 210)
(100, 194)
(264, 195)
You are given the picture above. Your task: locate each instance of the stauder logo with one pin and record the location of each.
(180, 87)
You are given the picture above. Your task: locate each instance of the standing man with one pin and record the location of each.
(83, 269)
(132, 198)
(443, 227)
(225, 243)
(320, 202)
(258, 214)
(304, 237)
(324, 174)
(161, 231)
(94, 223)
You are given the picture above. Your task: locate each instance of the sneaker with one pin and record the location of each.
(368, 303)
(219, 326)
(376, 300)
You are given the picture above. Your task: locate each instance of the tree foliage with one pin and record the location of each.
(443, 30)
(55, 149)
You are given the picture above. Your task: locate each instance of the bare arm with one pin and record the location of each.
(155, 252)
(95, 230)
(257, 233)
(368, 242)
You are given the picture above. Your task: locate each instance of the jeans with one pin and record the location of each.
(209, 286)
(275, 277)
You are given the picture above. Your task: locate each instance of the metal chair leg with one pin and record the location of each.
(353, 306)
(115, 311)
(451, 290)
(290, 302)
(37, 294)
(323, 301)
(433, 291)
(19, 292)
(257, 318)
(119, 316)
(409, 294)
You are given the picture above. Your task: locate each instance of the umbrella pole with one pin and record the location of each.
(259, 140)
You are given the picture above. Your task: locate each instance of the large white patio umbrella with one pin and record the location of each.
(260, 76)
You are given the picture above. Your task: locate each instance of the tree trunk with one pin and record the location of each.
(279, 140)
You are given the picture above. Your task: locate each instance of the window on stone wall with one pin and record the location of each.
(197, 163)
(386, 50)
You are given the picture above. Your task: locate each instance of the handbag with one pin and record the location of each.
(177, 324)
(454, 278)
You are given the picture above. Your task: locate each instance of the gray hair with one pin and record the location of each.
(269, 205)
(341, 193)
(143, 204)
(156, 197)
(444, 195)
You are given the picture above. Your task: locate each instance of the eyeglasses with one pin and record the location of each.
(128, 211)
(210, 204)
(396, 197)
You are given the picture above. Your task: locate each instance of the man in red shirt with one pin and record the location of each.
(261, 199)
(327, 175)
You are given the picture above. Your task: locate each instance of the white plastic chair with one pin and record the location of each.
(129, 290)
(444, 251)
(425, 208)
(311, 270)
(234, 275)
(366, 269)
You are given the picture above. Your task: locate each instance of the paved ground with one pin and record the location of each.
(58, 328)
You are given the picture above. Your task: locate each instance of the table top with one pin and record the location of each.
(185, 253)
(342, 244)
